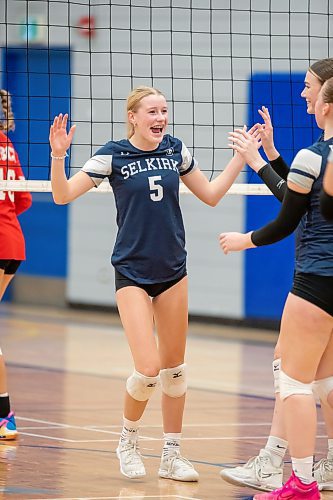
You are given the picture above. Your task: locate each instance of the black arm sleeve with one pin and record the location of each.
(326, 205)
(280, 167)
(293, 207)
(273, 181)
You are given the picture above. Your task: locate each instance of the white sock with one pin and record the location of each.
(130, 430)
(171, 444)
(330, 449)
(303, 469)
(277, 448)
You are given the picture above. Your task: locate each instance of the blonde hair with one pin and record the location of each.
(133, 103)
(7, 122)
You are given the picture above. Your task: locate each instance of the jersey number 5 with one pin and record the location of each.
(156, 190)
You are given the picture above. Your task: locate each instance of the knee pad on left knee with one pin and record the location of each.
(290, 387)
(322, 388)
(276, 367)
(173, 381)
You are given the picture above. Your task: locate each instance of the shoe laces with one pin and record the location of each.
(6, 420)
(131, 452)
(259, 463)
(178, 461)
(324, 465)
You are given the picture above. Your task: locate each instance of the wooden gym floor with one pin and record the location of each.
(66, 372)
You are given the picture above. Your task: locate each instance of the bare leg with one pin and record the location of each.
(171, 318)
(136, 314)
(305, 334)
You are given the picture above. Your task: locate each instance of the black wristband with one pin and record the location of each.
(280, 167)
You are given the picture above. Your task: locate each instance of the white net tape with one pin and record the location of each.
(45, 187)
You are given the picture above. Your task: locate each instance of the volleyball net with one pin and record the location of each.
(217, 62)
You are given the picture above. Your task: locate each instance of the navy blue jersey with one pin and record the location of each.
(150, 243)
(301, 225)
(315, 251)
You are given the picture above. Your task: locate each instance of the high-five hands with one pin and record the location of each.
(247, 145)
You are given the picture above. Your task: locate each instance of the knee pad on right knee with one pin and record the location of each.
(291, 387)
(141, 387)
(322, 388)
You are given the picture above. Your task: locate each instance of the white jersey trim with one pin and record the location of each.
(98, 167)
(305, 168)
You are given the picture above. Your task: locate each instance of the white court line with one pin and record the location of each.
(180, 497)
(57, 425)
(77, 427)
(144, 440)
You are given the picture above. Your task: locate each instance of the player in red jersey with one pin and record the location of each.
(12, 244)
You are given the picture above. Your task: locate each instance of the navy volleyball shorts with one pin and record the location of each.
(152, 290)
(315, 289)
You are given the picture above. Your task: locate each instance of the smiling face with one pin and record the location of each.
(150, 121)
(320, 107)
(324, 107)
(312, 86)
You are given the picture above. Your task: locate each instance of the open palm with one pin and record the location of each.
(59, 139)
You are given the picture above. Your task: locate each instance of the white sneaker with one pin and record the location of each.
(131, 464)
(323, 474)
(178, 468)
(258, 473)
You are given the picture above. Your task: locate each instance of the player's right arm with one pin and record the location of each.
(65, 190)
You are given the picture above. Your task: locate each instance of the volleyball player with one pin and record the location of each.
(265, 471)
(149, 259)
(12, 244)
(326, 195)
(306, 340)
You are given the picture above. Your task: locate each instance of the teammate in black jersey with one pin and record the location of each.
(265, 471)
(306, 340)
(149, 259)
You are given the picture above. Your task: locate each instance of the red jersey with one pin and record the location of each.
(12, 244)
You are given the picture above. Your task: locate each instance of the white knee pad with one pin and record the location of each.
(322, 388)
(141, 387)
(276, 366)
(289, 386)
(173, 381)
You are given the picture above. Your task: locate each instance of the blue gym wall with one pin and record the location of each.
(269, 270)
(44, 224)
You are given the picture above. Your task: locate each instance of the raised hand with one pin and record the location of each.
(59, 139)
(266, 134)
(234, 242)
(247, 144)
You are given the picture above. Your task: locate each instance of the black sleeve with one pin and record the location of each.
(293, 207)
(280, 167)
(273, 181)
(326, 205)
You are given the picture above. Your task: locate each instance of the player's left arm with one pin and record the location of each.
(304, 170)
